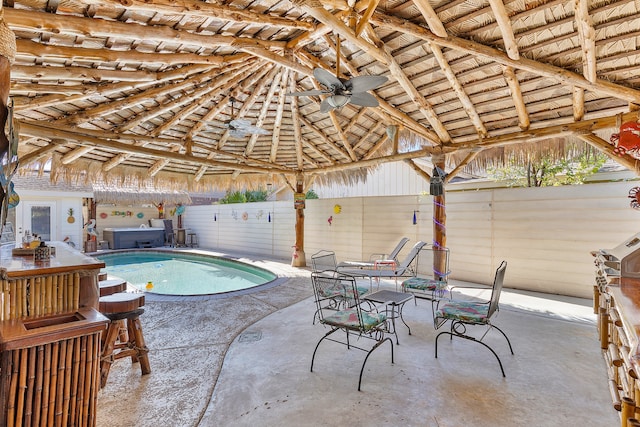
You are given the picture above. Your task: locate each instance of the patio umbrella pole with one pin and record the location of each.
(439, 224)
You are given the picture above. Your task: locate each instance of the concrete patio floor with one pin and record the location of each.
(244, 360)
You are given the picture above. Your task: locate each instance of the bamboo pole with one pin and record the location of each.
(37, 401)
(13, 387)
(627, 411)
(67, 381)
(59, 397)
(31, 380)
(604, 328)
(53, 382)
(76, 377)
(48, 307)
(22, 385)
(76, 291)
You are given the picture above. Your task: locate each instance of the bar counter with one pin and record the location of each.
(50, 338)
(66, 260)
(625, 294)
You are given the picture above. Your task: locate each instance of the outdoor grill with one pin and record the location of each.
(621, 261)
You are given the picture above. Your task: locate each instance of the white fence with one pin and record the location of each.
(545, 234)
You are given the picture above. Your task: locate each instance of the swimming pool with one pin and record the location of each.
(174, 273)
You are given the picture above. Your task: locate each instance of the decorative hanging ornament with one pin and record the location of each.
(330, 219)
(634, 195)
(415, 218)
(337, 209)
(628, 140)
(269, 216)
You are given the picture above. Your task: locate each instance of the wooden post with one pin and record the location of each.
(298, 258)
(439, 220)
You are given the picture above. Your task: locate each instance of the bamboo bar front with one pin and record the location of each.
(50, 334)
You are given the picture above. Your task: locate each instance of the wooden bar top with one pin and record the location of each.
(65, 259)
(626, 295)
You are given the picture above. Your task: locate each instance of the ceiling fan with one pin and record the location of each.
(240, 128)
(342, 91)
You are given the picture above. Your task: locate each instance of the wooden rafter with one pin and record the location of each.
(18, 19)
(86, 138)
(212, 10)
(491, 54)
(264, 110)
(295, 118)
(516, 94)
(22, 104)
(459, 90)
(504, 23)
(263, 77)
(275, 137)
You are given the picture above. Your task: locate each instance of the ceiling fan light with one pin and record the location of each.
(337, 101)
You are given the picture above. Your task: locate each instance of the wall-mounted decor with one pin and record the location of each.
(70, 218)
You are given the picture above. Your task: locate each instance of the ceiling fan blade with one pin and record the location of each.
(327, 79)
(364, 83)
(325, 107)
(236, 133)
(254, 130)
(364, 99)
(307, 93)
(239, 123)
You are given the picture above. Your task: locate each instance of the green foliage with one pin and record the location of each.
(244, 197)
(311, 195)
(546, 172)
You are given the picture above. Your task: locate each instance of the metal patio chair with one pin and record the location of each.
(433, 286)
(353, 321)
(330, 297)
(462, 314)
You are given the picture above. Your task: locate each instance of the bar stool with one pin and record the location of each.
(193, 240)
(112, 286)
(124, 336)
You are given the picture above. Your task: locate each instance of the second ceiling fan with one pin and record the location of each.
(342, 92)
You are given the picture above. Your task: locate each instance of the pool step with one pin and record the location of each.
(112, 286)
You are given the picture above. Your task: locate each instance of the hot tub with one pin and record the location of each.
(128, 238)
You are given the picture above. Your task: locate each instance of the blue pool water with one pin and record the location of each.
(183, 274)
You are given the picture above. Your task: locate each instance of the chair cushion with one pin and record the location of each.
(465, 311)
(339, 291)
(423, 284)
(349, 319)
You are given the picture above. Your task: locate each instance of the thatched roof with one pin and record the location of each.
(123, 195)
(141, 89)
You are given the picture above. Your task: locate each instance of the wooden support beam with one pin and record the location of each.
(101, 139)
(31, 49)
(275, 84)
(262, 81)
(364, 19)
(516, 94)
(625, 160)
(468, 106)
(219, 11)
(83, 92)
(38, 153)
(277, 124)
(468, 159)
(552, 72)
(297, 132)
(325, 138)
(26, 20)
(432, 18)
(504, 23)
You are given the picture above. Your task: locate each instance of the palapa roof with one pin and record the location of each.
(122, 90)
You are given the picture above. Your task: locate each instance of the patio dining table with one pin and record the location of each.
(394, 302)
